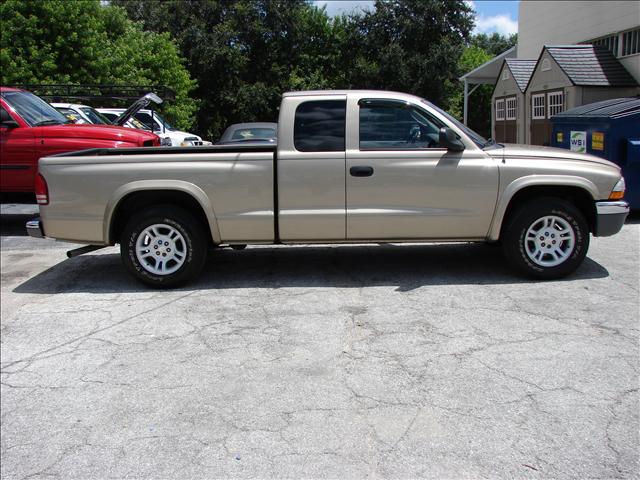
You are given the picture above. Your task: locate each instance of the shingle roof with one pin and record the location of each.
(589, 65)
(521, 71)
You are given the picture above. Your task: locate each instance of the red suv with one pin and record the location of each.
(30, 128)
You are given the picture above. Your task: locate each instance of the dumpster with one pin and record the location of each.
(609, 129)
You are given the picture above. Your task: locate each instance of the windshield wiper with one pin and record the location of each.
(47, 122)
(488, 143)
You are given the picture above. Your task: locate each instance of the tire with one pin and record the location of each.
(163, 246)
(546, 238)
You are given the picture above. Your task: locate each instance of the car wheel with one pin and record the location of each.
(163, 246)
(546, 238)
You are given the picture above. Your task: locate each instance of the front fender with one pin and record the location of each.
(521, 183)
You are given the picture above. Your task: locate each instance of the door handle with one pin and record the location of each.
(361, 171)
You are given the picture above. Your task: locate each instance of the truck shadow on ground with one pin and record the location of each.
(405, 267)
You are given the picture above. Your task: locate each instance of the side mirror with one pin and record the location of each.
(6, 121)
(449, 140)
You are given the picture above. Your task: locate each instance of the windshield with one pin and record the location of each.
(476, 137)
(34, 110)
(166, 124)
(95, 116)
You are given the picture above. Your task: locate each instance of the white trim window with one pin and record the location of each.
(512, 108)
(500, 110)
(538, 106)
(555, 102)
(631, 42)
(505, 75)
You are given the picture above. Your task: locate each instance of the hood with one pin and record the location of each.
(96, 132)
(535, 152)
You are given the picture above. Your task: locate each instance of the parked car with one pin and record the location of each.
(82, 114)
(349, 166)
(30, 128)
(249, 132)
(153, 121)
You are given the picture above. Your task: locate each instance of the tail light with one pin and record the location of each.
(42, 190)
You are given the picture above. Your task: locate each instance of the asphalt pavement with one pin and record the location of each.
(378, 361)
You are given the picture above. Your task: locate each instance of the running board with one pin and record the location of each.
(86, 249)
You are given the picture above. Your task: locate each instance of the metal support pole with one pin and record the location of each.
(466, 101)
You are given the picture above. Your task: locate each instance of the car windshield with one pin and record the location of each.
(253, 133)
(476, 137)
(95, 116)
(166, 124)
(33, 109)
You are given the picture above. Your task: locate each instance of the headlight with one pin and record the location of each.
(618, 190)
(165, 142)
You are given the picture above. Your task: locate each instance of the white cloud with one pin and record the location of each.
(502, 24)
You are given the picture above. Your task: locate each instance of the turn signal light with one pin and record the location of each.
(42, 190)
(616, 195)
(618, 190)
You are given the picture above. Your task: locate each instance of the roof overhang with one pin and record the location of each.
(488, 72)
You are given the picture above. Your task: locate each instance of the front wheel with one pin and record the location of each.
(163, 246)
(546, 238)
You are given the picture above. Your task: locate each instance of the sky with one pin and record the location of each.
(491, 16)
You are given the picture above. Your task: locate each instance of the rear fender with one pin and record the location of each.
(176, 185)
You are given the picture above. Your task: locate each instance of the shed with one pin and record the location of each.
(567, 76)
(609, 129)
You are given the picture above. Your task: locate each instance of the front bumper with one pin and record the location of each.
(34, 228)
(610, 217)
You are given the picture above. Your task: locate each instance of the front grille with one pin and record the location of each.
(147, 143)
(193, 141)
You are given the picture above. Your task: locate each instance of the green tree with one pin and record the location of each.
(494, 44)
(479, 113)
(412, 46)
(82, 41)
(245, 53)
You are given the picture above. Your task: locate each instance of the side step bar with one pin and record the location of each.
(86, 249)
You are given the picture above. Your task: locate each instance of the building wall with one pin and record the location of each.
(506, 88)
(567, 22)
(596, 94)
(548, 80)
(632, 64)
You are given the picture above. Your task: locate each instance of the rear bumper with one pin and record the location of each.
(34, 228)
(610, 217)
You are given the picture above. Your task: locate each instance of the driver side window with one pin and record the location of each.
(391, 125)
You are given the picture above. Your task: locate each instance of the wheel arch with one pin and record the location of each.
(146, 193)
(577, 190)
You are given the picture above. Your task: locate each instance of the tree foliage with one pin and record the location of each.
(76, 42)
(244, 53)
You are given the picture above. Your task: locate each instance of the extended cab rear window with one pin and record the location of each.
(319, 126)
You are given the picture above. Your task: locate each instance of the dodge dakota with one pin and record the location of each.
(349, 166)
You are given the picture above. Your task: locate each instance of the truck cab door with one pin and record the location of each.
(18, 162)
(311, 169)
(402, 184)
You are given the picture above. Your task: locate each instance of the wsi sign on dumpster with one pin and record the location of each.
(578, 142)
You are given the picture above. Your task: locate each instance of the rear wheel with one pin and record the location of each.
(163, 246)
(546, 238)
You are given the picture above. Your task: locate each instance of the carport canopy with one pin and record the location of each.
(487, 73)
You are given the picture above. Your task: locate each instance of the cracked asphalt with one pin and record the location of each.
(319, 361)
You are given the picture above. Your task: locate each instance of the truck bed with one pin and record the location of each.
(234, 185)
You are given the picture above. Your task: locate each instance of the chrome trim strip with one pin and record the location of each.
(612, 208)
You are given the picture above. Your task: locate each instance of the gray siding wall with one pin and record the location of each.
(551, 79)
(505, 88)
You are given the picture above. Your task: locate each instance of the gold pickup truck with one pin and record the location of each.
(349, 166)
